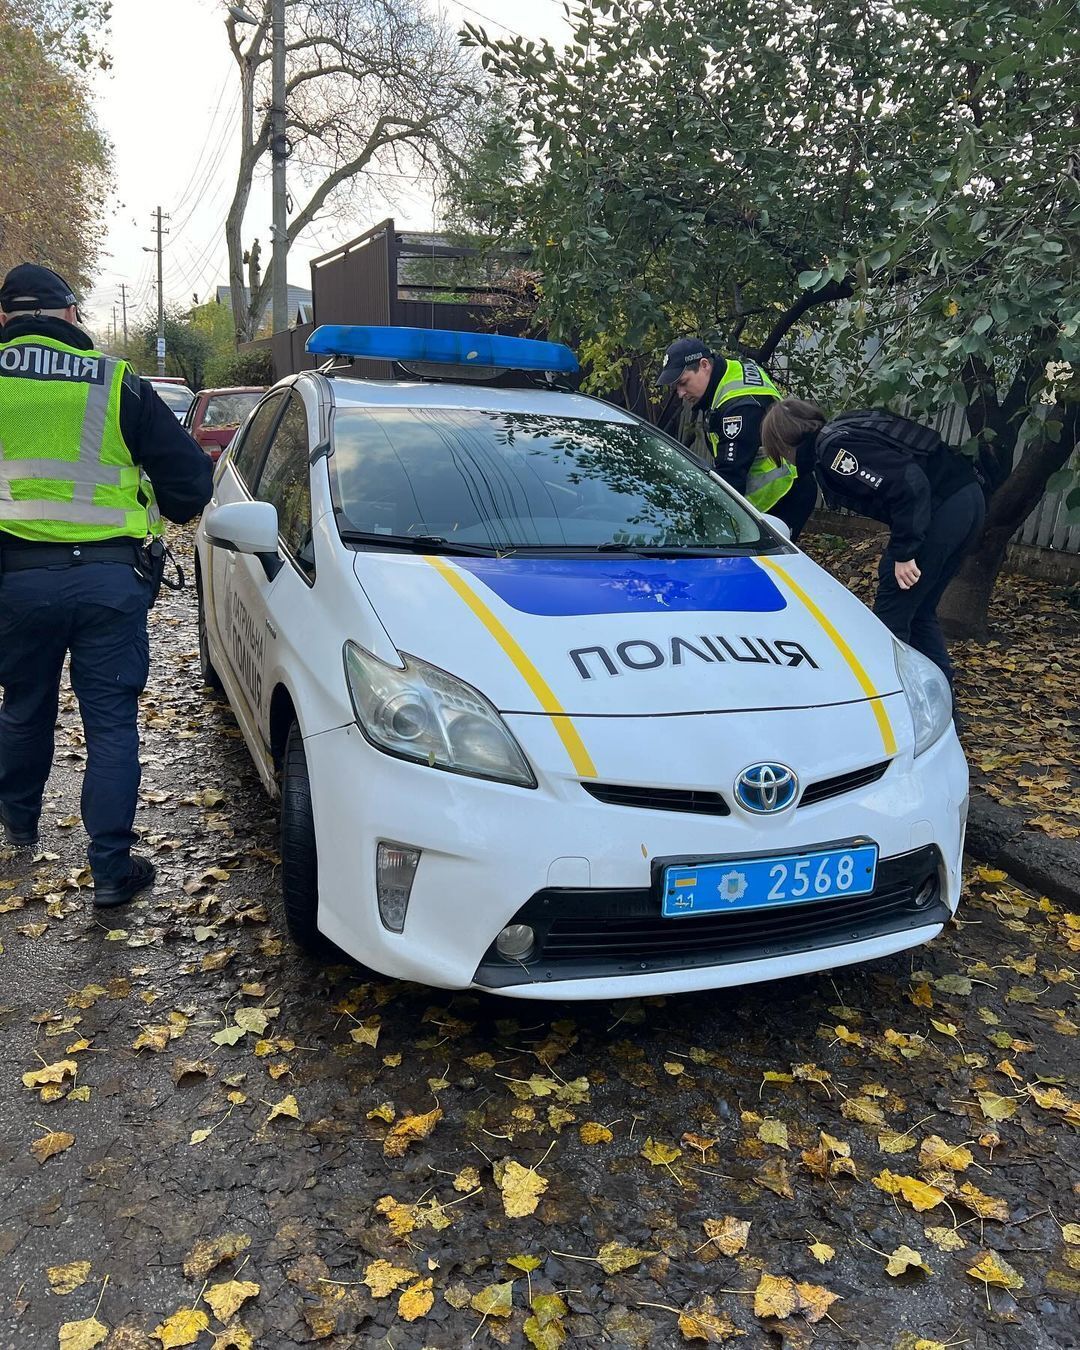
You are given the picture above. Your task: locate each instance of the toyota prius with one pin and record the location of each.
(550, 710)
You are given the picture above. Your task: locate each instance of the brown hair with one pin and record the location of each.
(785, 425)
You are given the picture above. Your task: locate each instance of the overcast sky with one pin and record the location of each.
(170, 106)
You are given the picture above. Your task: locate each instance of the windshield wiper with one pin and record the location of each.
(676, 551)
(418, 543)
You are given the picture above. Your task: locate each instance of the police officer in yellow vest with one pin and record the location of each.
(731, 397)
(90, 458)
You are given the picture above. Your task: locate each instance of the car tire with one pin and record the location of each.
(299, 857)
(206, 666)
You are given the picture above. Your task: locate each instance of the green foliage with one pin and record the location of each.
(250, 365)
(187, 348)
(54, 162)
(886, 197)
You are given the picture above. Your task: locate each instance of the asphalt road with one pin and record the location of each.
(529, 1174)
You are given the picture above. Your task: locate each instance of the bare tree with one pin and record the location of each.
(371, 86)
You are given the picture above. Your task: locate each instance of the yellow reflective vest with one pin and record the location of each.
(768, 478)
(66, 475)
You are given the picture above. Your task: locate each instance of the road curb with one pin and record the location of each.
(997, 834)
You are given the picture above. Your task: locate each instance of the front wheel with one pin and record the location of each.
(299, 859)
(206, 666)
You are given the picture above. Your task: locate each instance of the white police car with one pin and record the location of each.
(550, 710)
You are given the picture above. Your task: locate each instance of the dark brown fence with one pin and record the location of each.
(393, 277)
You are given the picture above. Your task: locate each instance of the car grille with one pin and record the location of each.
(660, 799)
(843, 782)
(697, 802)
(590, 933)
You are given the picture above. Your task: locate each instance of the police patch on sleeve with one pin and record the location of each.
(732, 426)
(845, 463)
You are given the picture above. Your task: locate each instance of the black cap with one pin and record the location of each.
(682, 355)
(31, 287)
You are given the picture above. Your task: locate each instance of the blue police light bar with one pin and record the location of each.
(441, 346)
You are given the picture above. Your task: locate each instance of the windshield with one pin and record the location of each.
(175, 396)
(505, 480)
(229, 410)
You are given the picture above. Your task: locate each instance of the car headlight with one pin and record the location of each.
(425, 714)
(928, 695)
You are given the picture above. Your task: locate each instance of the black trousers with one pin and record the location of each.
(97, 612)
(796, 505)
(912, 615)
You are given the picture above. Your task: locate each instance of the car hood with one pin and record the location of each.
(626, 636)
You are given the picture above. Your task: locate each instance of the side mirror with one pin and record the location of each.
(780, 526)
(243, 527)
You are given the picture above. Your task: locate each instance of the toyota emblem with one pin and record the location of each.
(765, 788)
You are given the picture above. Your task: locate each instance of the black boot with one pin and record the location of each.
(25, 837)
(139, 877)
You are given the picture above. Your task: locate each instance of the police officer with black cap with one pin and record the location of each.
(90, 459)
(731, 397)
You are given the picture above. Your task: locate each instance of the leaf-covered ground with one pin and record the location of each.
(206, 1140)
(1019, 694)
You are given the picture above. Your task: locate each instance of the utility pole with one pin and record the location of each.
(123, 301)
(279, 149)
(114, 326)
(160, 297)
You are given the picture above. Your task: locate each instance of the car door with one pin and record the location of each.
(233, 482)
(260, 603)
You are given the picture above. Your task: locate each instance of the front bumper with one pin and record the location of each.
(594, 934)
(493, 854)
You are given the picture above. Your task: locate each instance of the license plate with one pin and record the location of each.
(763, 883)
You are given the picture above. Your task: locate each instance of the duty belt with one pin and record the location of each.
(14, 558)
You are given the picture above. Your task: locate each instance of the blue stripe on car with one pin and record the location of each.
(563, 586)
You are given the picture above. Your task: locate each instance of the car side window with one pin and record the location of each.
(248, 455)
(285, 483)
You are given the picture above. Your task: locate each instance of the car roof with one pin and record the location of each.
(351, 392)
(234, 389)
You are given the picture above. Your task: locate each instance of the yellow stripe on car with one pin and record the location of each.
(568, 733)
(888, 738)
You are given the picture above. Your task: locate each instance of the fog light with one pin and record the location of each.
(927, 893)
(395, 868)
(516, 942)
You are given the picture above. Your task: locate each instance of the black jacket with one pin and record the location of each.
(179, 469)
(737, 428)
(879, 478)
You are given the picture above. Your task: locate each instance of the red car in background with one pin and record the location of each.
(216, 413)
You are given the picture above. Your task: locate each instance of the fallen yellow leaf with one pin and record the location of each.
(613, 1257)
(227, 1297)
(994, 1269)
(286, 1107)
(707, 1323)
(416, 1301)
(592, 1132)
(63, 1279)
(184, 1327)
(775, 1296)
(660, 1154)
(496, 1300)
(773, 1132)
(82, 1335)
(408, 1130)
(521, 1188)
(936, 1153)
(56, 1141)
(51, 1073)
(728, 1233)
(382, 1278)
(917, 1193)
(904, 1259)
(210, 1252)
